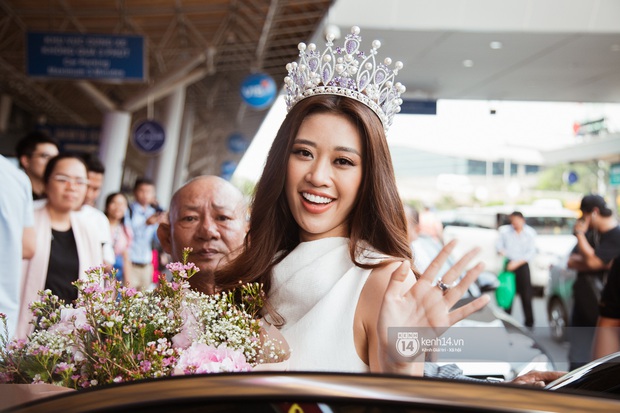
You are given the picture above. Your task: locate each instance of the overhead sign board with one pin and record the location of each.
(74, 138)
(86, 56)
(419, 107)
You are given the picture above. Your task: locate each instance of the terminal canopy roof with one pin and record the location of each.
(210, 46)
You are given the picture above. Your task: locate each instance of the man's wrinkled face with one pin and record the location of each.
(208, 216)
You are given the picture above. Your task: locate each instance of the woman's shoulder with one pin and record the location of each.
(367, 254)
(380, 276)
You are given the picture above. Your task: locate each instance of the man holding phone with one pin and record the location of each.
(143, 219)
(598, 243)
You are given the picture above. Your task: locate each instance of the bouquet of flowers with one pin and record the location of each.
(113, 334)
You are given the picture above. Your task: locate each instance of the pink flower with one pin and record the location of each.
(145, 366)
(175, 267)
(70, 319)
(16, 344)
(190, 325)
(129, 291)
(63, 366)
(6, 378)
(99, 269)
(92, 288)
(202, 358)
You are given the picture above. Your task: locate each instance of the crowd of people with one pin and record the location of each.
(326, 233)
(55, 232)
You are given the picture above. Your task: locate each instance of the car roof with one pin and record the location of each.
(526, 210)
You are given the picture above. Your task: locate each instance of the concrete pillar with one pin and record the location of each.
(112, 150)
(150, 171)
(5, 112)
(185, 145)
(172, 125)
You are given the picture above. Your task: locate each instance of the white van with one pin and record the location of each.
(478, 227)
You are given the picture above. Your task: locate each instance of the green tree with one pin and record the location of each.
(552, 178)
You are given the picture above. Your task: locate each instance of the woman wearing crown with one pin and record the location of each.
(327, 234)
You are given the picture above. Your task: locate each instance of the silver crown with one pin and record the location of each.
(346, 71)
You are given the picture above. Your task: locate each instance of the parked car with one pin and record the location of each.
(277, 392)
(478, 227)
(600, 376)
(560, 297)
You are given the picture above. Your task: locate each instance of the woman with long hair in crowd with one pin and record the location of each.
(65, 247)
(116, 205)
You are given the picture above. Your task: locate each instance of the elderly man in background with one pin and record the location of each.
(207, 214)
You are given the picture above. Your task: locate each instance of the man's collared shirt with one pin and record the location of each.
(517, 245)
(141, 248)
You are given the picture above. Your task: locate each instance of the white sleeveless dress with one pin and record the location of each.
(316, 289)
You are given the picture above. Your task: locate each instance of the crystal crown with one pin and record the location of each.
(346, 71)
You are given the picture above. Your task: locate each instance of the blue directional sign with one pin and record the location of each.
(227, 169)
(258, 90)
(570, 177)
(237, 143)
(86, 56)
(149, 137)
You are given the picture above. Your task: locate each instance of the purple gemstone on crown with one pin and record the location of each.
(351, 46)
(327, 74)
(383, 96)
(380, 76)
(313, 63)
(363, 80)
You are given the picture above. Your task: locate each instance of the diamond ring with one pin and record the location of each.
(443, 286)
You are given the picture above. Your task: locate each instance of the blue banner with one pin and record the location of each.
(86, 56)
(418, 107)
(74, 138)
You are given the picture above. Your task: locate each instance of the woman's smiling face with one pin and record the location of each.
(323, 175)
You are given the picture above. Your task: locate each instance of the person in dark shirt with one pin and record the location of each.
(598, 243)
(607, 338)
